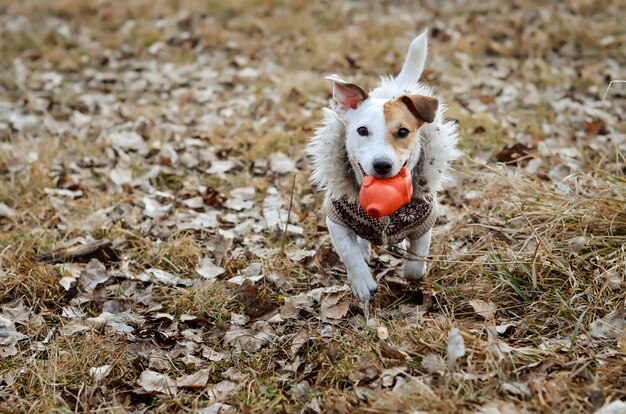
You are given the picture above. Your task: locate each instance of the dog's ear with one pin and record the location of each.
(346, 95)
(422, 107)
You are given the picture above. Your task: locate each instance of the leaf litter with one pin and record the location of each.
(161, 246)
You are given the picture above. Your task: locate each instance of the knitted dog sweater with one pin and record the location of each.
(412, 220)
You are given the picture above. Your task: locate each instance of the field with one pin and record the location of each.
(162, 249)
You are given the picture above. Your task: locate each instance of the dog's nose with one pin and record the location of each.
(382, 166)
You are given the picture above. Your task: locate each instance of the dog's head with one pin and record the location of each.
(382, 135)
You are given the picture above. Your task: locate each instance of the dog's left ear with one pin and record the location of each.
(346, 95)
(421, 106)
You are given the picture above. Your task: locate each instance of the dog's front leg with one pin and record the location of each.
(348, 248)
(416, 266)
(366, 248)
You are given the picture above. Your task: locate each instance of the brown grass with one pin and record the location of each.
(535, 249)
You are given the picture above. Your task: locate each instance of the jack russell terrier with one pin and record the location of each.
(398, 124)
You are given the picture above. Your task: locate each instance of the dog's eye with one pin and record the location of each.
(403, 133)
(362, 131)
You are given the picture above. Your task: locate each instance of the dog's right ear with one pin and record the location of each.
(346, 95)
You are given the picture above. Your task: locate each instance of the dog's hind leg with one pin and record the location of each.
(416, 266)
(350, 251)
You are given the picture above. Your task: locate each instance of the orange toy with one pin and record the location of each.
(381, 197)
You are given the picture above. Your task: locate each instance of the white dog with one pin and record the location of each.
(397, 124)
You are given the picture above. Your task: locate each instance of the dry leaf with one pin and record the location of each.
(208, 270)
(516, 388)
(335, 312)
(6, 211)
(366, 370)
(129, 141)
(500, 407)
(298, 341)
(198, 379)
(93, 274)
(255, 305)
(100, 373)
(163, 277)
(222, 390)
(121, 175)
(613, 278)
(252, 273)
(596, 127)
(217, 408)
(518, 153)
(213, 355)
(238, 205)
(233, 374)
(387, 351)
(221, 167)
(153, 381)
(392, 375)
(611, 326)
(614, 407)
(300, 254)
(382, 332)
(577, 243)
(9, 337)
(16, 311)
(154, 209)
(456, 346)
(249, 340)
(289, 311)
(433, 363)
(243, 193)
(281, 163)
(484, 309)
(98, 322)
(193, 202)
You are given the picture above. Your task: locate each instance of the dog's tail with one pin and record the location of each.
(415, 59)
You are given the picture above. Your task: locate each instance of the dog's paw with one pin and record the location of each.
(364, 288)
(414, 270)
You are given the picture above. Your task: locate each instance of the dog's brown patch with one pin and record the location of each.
(410, 112)
(397, 116)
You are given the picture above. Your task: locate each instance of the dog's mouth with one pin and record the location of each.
(363, 173)
(366, 174)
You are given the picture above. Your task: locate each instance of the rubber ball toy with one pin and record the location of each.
(381, 197)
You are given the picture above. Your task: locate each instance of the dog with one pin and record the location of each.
(398, 124)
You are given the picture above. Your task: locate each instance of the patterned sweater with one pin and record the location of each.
(412, 220)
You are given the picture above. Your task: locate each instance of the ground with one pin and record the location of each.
(151, 153)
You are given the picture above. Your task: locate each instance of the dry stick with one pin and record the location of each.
(2, 255)
(63, 254)
(609, 87)
(284, 240)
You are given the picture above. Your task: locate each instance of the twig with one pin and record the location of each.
(609, 87)
(284, 238)
(101, 249)
(1, 256)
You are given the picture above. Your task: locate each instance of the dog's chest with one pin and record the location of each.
(413, 219)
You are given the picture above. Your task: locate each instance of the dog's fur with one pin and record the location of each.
(397, 103)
